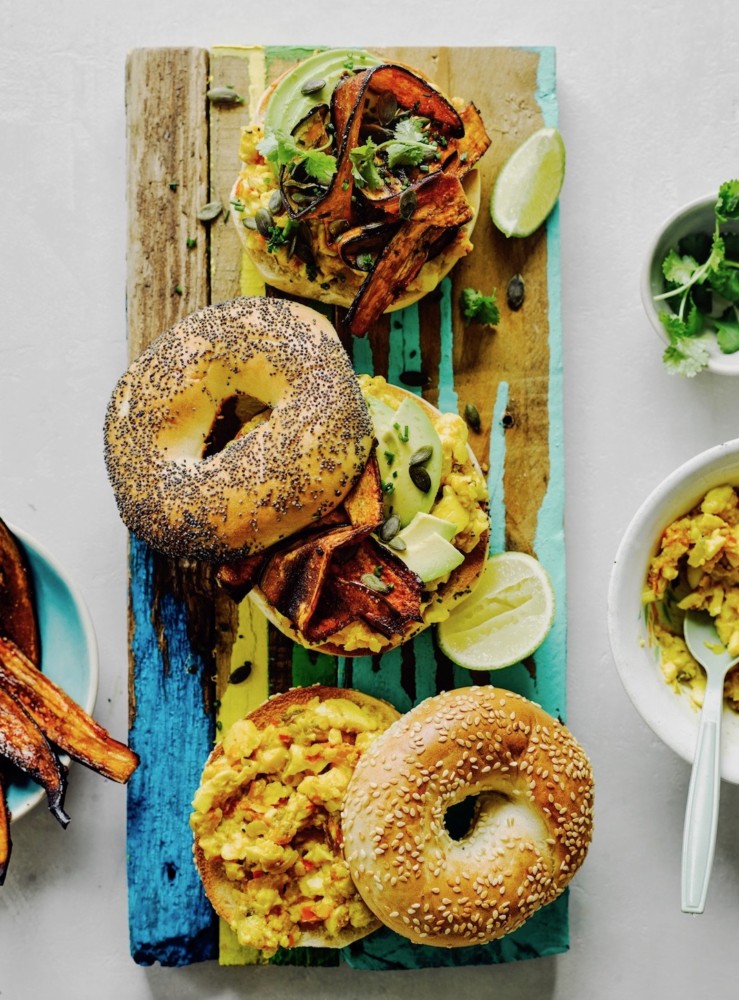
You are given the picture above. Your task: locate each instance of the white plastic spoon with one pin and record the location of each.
(701, 814)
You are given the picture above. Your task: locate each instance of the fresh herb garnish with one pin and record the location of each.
(479, 308)
(278, 236)
(689, 279)
(281, 150)
(410, 146)
(364, 169)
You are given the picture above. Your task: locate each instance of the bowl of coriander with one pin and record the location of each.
(690, 285)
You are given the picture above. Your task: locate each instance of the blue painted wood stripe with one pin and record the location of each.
(170, 919)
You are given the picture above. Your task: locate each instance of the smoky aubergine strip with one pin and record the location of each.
(25, 746)
(6, 844)
(61, 719)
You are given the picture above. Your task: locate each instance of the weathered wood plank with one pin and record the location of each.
(167, 154)
(171, 617)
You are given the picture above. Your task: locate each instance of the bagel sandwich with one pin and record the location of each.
(407, 544)
(266, 819)
(358, 185)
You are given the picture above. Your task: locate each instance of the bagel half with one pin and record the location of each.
(278, 777)
(348, 240)
(439, 597)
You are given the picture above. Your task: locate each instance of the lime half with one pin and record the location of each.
(506, 617)
(529, 183)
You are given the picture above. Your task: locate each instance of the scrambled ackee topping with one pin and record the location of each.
(697, 567)
(269, 809)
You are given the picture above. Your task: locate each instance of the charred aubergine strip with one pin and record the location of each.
(6, 844)
(17, 622)
(61, 719)
(23, 743)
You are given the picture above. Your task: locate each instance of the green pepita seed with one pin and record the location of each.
(472, 417)
(422, 455)
(407, 204)
(264, 221)
(274, 204)
(387, 107)
(250, 222)
(398, 544)
(515, 292)
(224, 95)
(390, 528)
(420, 478)
(373, 582)
(210, 211)
(313, 85)
(240, 674)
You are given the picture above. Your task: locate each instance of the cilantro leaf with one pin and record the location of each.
(479, 308)
(280, 150)
(679, 270)
(685, 356)
(727, 335)
(724, 279)
(678, 326)
(727, 206)
(364, 169)
(409, 146)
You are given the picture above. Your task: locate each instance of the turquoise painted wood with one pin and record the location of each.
(170, 919)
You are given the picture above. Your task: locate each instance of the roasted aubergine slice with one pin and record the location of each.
(61, 719)
(23, 743)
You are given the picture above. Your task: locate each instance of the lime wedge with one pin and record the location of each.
(506, 617)
(529, 183)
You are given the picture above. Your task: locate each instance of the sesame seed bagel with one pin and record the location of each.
(530, 833)
(269, 481)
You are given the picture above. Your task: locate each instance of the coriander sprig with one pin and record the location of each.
(693, 284)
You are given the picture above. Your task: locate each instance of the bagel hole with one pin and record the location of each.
(234, 413)
(460, 817)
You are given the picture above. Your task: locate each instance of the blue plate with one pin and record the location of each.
(68, 648)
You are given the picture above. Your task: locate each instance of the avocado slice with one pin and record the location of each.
(400, 435)
(428, 550)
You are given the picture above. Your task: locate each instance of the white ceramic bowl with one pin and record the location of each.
(670, 715)
(68, 647)
(696, 217)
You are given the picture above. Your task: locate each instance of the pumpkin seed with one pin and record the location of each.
(274, 204)
(264, 221)
(250, 222)
(338, 226)
(387, 107)
(390, 528)
(472, 417)
(407, 204)
(515, 292)
(398, 544)
(414, 378)
(422, 455)
(240, 674)
(210, 211)
(375, 583)
(313, 85)
(420, 478)
(223, 95)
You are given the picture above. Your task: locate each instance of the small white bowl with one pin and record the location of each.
(68, 648)
(672, 717)
(695, 217)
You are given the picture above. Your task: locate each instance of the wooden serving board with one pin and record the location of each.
(186, 638)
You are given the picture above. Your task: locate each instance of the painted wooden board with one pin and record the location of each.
(186, 639)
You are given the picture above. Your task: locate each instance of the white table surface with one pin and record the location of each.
(649, 99)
